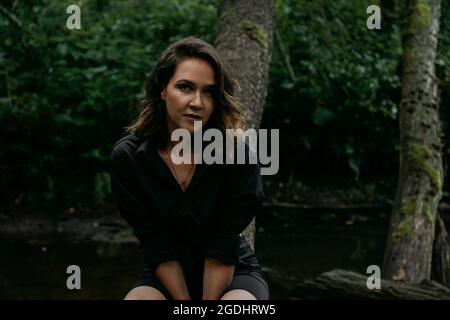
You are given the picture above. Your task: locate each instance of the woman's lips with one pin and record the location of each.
(193, 117)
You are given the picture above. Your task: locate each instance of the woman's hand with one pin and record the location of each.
(217, 277)
(170, 274)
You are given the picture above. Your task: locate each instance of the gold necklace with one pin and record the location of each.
(183, 182)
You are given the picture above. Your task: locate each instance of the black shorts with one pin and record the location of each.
(251, 281)
(247, 276)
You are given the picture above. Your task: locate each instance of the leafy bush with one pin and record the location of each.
(65, 96)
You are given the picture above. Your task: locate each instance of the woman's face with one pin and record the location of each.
(189, 94)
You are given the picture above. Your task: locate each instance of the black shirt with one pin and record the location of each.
(207, 218)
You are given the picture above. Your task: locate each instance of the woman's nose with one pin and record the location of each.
(196, 100)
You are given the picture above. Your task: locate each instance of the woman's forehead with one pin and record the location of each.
(195, 70)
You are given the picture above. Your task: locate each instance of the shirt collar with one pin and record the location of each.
(147, 147)
(142, 146)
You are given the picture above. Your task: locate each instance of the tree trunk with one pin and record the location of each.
(441, 253)
(412, 226)
(244, 39)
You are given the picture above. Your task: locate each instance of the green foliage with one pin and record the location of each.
(345, 97)
(66, 95)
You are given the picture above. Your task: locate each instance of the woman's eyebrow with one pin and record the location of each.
(184, 80)
(209, 86)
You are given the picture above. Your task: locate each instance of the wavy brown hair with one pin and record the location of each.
(227, 112)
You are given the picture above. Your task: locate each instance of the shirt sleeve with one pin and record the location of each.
(155, 243)
(242, 201)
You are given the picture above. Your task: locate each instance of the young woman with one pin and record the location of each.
(188, 217)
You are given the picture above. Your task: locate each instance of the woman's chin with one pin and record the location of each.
(189, 126)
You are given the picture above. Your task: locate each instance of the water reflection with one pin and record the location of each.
(28, 272)
(289, 251)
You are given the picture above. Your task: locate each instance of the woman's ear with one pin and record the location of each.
(163, 94)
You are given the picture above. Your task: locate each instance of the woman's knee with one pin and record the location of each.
(238, 294)
(145, 293)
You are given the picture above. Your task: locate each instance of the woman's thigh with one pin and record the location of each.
(238, 294)
(250, 286)
(145, 293)
(149, 284)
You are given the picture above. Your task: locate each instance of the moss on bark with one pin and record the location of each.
(419, 18)
(257, 33)
(418, 158)
(405, 227)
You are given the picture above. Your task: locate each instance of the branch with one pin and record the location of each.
(11, 16)
(285, 55)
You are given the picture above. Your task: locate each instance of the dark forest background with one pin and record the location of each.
(66, 95)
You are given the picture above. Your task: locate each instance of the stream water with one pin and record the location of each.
(290, 249)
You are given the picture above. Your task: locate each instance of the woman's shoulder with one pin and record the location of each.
(126, 147)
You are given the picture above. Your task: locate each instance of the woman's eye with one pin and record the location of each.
(209, 92)
(184, 87)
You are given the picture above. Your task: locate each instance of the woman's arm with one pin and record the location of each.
(217, 277)
(170, 274)
(138, 211)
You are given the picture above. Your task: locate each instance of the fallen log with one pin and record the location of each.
(342, 284)
(377, 207)
(385, 206)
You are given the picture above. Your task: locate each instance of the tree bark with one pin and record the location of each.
(412, 226)
(441, 253)
(244, 39)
